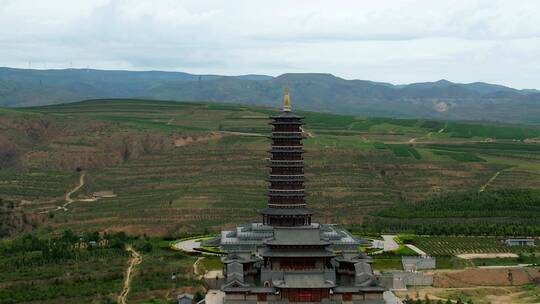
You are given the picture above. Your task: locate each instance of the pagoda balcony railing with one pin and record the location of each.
(285, 205)
(285, 195)
(244, 242)
(289, 177)
(287, 161)
(293, 135)
(251, 236)
(296, 163)
(287, 187)
(297, 150)
(287, 133)
(287, 148)
(276, 171)
(290, 122)
(288, 137)
(286, 191)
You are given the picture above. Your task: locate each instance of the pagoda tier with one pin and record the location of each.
(286, 204)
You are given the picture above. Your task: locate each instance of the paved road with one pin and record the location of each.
(390, 298)
(214, 296)
(377, 244)
(417, 250)
(389, 243)
(188, 246)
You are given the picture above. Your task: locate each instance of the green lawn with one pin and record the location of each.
(210, 263)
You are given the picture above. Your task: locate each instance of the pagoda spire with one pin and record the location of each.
(286, 100)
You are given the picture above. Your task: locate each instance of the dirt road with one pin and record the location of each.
(135, 260)
(196, 267)
(417, 250)
(67, 197)
(243, 133)
(483, 188)
(470, 256)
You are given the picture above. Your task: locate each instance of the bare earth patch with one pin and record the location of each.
(470, 256)
(186, 140)
(485, 277)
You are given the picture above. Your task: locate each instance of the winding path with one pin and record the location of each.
(67, 197)
(196, 267)
(135, 260)
(417, 250)
(69, 200)
(483, 188)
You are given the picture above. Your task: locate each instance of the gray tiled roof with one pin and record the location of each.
(239, 259)
(287, 115)
(297, 253)
(185, 295)
(341, 289)
(286, 211)
(294, 280)
(301, 235)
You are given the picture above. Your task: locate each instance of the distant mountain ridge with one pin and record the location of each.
(310, 91)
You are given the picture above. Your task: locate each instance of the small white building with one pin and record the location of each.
(414, 263)
(519, 242)
(185, 298)
(103, 194)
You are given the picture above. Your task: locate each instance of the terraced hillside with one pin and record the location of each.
(175, 168)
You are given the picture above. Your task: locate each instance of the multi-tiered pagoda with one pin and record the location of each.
(286, 204)
(288, 258)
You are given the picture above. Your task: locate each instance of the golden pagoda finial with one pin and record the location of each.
(286, 100)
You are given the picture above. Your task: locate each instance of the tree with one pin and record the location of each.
(407, 300)
(147, 247)
(69, 236)
(198, 297)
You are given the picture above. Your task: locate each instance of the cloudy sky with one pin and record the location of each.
(394, 41)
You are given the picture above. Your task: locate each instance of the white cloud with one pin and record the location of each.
(395, 41)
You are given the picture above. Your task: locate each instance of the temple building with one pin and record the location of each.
(287, 257)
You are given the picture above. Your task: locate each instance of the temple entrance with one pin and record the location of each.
(305, 294)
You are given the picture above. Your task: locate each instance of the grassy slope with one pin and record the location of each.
(354, 165)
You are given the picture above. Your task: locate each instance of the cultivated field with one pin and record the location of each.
(168, 170)
(176, 168)
(454, 245)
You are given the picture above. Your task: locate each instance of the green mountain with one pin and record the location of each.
(317, 92)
